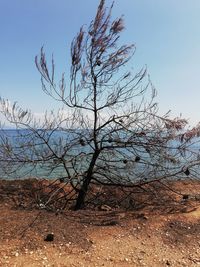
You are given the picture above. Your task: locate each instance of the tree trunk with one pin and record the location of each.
(82, 194)
(80, 202)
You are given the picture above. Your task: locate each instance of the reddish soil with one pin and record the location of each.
(161, 230)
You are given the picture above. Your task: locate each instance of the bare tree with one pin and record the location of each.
(108, 130)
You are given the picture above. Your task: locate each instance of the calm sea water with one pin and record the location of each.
(9, 169)
(52, 169)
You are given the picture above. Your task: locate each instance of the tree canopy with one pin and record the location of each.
(108, 130)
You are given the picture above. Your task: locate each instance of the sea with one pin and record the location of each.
(22, 145)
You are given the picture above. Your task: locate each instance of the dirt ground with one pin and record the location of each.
(166, 232)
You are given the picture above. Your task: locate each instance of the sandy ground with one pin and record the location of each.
(162, 235)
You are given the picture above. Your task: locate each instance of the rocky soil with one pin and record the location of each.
(154, 235)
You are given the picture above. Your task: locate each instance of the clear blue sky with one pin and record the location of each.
(166, 33)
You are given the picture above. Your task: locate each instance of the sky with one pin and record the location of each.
(165, 32)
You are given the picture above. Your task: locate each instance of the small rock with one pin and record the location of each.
(49, 237)
(105, 208)
(89, 241)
